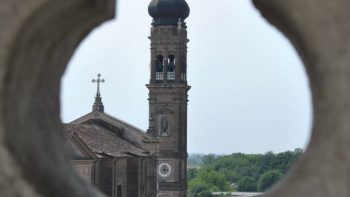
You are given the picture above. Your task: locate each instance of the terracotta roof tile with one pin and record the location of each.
(102, 142)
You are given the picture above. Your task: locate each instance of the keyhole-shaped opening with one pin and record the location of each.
(250, 92)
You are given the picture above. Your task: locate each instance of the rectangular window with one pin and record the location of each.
(159, 76)
(119, 191)
(171, 75)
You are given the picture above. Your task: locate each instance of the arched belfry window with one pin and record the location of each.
(171, 65)
(159, 67)
(159, 63)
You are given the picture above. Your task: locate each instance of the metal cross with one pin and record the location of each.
(98, 81)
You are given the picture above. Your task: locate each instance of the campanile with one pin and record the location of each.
(168, 93)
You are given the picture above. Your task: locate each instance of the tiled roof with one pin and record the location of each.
(101, 141)
(129, 128)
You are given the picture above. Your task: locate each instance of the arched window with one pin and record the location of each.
(159, 63)
(171, 65)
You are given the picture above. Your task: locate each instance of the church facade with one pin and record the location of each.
(123, 160)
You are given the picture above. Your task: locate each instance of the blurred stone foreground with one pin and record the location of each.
(38, 37)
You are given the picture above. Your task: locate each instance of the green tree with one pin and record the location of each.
(207, 182)
(192, 173)
(217, 182)
(268, 179)
(198, 188)
(246, 184)
(248, 172)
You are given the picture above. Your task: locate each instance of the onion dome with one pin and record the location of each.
(168, 12)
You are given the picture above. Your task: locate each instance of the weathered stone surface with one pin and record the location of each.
(37, 39)
(320, 31)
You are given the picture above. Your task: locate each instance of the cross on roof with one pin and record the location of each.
(98, 105)
(98, 81)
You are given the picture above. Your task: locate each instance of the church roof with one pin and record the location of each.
(124, 130)
(102, 142)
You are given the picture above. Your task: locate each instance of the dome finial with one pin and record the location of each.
(167, 12)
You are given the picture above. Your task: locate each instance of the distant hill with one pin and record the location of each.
(195, 160)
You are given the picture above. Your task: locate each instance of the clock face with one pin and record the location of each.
(164, 169)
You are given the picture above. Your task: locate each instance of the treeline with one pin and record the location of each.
(237, 172)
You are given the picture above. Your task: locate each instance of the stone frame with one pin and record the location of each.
(39, 37)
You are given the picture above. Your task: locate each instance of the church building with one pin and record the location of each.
(123, 160)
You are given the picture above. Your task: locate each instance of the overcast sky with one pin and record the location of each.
(249, 89)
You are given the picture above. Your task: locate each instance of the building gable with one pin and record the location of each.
(122, 129)
(77, 149)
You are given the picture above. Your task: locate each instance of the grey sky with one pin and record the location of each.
(249, 89)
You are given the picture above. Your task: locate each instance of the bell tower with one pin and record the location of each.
(168, 94)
